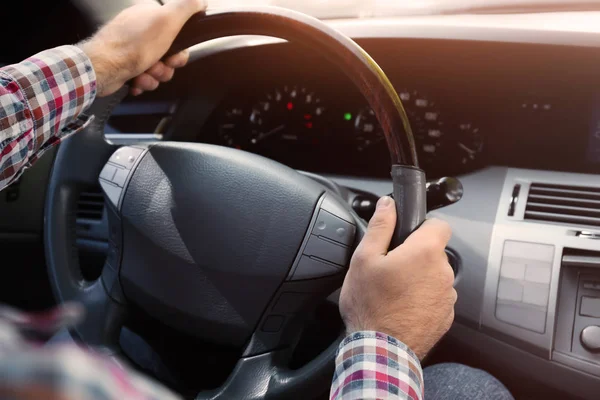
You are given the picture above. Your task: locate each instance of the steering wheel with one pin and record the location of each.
(219, 243)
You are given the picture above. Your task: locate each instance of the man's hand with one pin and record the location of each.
(132, 44)
(406, 293)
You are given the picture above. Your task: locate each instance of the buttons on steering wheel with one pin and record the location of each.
(117, 171)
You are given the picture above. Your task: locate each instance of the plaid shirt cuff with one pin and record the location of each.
(373, 365)
(41, 101)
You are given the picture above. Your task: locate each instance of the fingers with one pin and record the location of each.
(178, 60)
(381, 228)
(434, 233)
(144, 82)
(159, 72)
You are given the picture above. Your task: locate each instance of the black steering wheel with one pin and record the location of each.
(220, 243)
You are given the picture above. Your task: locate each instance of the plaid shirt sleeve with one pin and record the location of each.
(29, 370)
(41, 102)
(373, 365)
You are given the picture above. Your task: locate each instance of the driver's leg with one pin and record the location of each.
(452, 381)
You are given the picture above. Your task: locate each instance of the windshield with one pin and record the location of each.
(378, 8)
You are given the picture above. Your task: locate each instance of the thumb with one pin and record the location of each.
(376, 241)
(181, 10)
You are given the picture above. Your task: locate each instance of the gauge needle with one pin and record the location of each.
(465, 148)
(273, 131)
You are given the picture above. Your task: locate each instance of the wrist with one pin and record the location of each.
(105, 68)
(412, 338)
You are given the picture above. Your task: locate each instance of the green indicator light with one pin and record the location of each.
(347, 116)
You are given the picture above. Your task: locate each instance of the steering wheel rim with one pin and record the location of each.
(107, 306)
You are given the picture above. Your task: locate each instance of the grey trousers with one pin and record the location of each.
(451, 381)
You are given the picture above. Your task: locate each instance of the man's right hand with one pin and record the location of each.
(406, 293)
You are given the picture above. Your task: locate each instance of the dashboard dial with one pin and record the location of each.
(469, 142)
(427, 125)
(290, 115)
(368, 132)
(233, 117)
(426, 122)
(286, 117)
(441, 146)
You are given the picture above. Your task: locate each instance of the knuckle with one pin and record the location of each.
(162, 18)
(454, 295)
(433, 244)
(360, 256)
(443, 229)
(447, 274)
(442, 225)
(378, 221)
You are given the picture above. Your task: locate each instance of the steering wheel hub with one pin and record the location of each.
(209, 234)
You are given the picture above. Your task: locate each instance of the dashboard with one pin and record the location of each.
(469, 107)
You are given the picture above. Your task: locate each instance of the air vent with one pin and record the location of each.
(90, 205)
(573, 205)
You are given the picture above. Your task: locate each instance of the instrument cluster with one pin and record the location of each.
(298, 126)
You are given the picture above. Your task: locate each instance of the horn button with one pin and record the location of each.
(221, 243)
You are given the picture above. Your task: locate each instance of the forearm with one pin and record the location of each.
(372, 365)
(41, 102)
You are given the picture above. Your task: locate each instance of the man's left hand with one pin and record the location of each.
(133, 43)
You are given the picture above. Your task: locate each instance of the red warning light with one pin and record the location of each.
(308, 125)
(290, 106)
(307, 116)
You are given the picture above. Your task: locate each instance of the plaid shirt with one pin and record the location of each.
(373, 365)
(41, 102)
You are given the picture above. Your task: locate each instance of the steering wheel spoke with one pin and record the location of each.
(283, 320)
(265, 376)
(262, 371)
(104, 318)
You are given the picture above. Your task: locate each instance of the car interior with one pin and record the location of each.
(207, 225)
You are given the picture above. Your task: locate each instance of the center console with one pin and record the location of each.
(542, 290)
(528, 282)
(577, 341)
